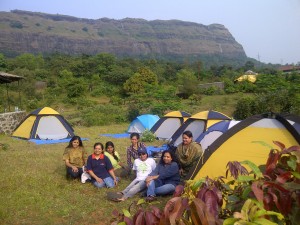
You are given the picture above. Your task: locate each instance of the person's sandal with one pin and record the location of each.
(150, 198)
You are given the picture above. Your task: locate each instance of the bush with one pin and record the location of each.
(148, 136)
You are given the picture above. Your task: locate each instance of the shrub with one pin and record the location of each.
(16, 24)
(258, 197)
(148, 136)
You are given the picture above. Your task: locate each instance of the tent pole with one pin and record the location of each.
(20, 102)
(7, 97)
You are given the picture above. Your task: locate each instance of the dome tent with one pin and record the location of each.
(251, 139)
(44, 124)
(165, 127)
(197, 124)
(142, 122)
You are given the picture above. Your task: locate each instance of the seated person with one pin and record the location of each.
(164, 178)
(120, 169)
(75, 157)
(132, 150)
(100, 168)
(188, 153)
(143, 166)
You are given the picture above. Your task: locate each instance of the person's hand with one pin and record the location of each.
(99, 180)
(74, 169)
(116, 182)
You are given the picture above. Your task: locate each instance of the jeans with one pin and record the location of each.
(74, 175)
(157, 188)
(134, 187)
(107, 182)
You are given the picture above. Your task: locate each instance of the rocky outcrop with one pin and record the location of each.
(43, 33)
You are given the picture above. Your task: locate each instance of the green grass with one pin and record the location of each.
(34, 190)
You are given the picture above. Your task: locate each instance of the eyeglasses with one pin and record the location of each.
(142, 154)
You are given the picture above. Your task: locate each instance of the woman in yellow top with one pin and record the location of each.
(188, 153)
(120, 169)
(75, 157)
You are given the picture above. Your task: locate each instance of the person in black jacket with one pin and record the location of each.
(164, 178)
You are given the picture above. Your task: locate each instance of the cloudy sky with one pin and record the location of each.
(269, 30)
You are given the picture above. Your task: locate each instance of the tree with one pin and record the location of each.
(188, 82)
(136, 83)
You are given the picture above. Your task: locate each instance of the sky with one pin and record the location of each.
(268, 30)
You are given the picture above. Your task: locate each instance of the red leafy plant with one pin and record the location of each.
(255, 197)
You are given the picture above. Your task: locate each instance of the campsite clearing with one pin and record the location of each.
(34, 190)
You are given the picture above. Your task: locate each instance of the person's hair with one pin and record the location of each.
(172, 154)
(135, 135)
(188, 133)
(99, 143)
(110, 143)
(74, 138)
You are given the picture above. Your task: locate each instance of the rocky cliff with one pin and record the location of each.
(23, 31)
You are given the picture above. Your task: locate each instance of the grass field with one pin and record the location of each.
(34, 189)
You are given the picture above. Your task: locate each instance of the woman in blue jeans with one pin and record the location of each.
(164, 178)
(100, 168)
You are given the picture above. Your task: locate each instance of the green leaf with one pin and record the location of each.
(292, 163)
(126, 213)
(263, 221)
(246, 192)
(141, 201)
(254, 168)
(263, 144)
(197, 184)
(243, 178)
(122, 223)
(230, 221)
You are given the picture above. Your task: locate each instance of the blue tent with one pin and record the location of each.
(213, 132)
(141, 123)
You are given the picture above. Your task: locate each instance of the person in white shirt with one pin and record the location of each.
(143, 166)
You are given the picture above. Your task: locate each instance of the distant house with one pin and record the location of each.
(289, 69)
(249, 75)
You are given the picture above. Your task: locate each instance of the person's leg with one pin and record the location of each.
(151, 188)
(129, 187)
(165, 189)
(73, 174)
(137, 187)
(99, 185)
(109, 182)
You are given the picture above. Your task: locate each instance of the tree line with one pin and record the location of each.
(105, 89)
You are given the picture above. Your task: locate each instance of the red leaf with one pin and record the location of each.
(274, 155)
(128, 221)
(150, 218)
(268, 201)
(211, 202)
(178, 190)
(258, 192)
(200, 214)
(295, 148)
(279, 144)
(282, 178)
(140, 219)
(174, 209)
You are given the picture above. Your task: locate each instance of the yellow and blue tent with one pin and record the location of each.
(197, 124)
(165, 127)
(251, 139)
(44, 124)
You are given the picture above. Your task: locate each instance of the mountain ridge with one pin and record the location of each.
(35, 32)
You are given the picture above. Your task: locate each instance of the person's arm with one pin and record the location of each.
(112, 173)
(169, 171)
(110, 169)
(129, 163)
(153, 175)
(68, 164)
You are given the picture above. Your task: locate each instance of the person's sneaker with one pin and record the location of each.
(150, 198)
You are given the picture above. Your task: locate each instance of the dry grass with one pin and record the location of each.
(34, 190)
